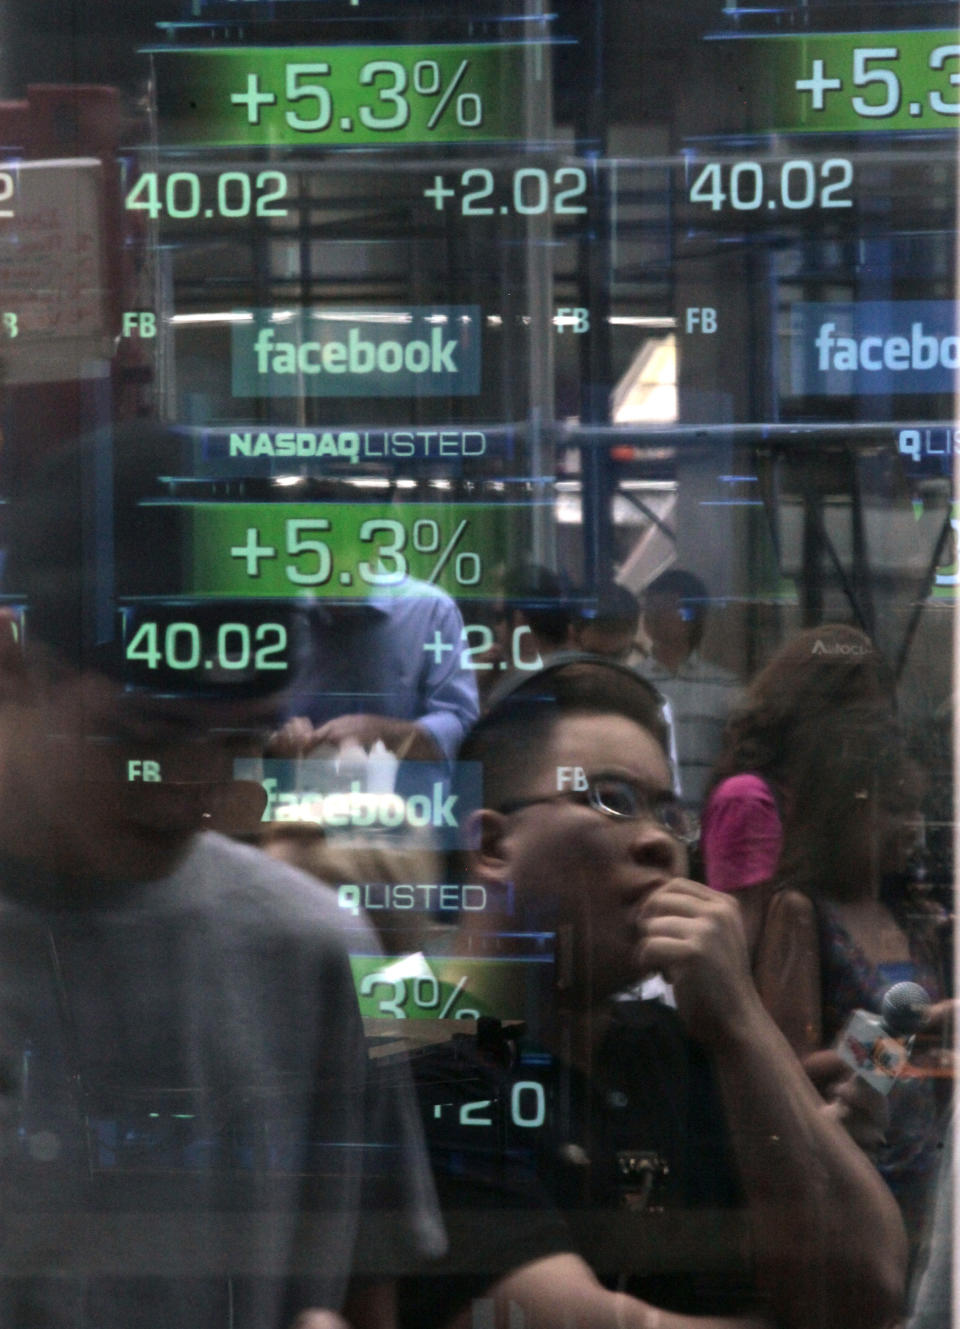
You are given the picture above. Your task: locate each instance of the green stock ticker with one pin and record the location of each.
(344, 96)
(449, 987)
(847, 82)
(351, 550)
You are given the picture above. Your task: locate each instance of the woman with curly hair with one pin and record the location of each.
(811, 680)
(844, 923)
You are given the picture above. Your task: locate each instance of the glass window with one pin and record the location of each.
(478, 553)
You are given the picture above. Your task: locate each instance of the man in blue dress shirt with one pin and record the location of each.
(390, 668)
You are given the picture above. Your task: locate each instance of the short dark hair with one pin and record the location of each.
(693, 595)
(508, 739)
(542, 596)
(614, 604)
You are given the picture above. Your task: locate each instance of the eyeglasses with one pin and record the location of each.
(623, 799)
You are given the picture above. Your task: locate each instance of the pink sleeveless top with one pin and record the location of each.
(741, 833)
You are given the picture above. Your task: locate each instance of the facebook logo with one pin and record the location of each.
(420, 351)
(874, 347)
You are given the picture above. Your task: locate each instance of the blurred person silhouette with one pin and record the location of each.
(701, 693)
(528, 623)
(803, 688)
(192, 1132)
(608, 625)
(840, 930)
(389, 672)
(388, 669)
(534, 616)
(665, 1120)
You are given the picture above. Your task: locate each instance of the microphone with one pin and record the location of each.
(904, 1008)
(877, 1047)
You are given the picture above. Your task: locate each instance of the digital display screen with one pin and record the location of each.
(478, 564)
(351, 95)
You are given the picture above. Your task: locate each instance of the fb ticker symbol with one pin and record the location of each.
(577, 319)
(705, 317)
(139, 323)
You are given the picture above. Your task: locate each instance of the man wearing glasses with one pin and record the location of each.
(681, 1165)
